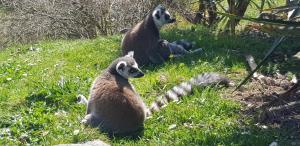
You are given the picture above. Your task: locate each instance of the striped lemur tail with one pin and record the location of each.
(185, 88)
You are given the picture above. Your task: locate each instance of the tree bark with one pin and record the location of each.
(237, 8)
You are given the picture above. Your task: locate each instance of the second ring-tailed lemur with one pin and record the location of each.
(144, 38)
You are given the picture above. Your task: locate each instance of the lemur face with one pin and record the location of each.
(161, 16)
(128, 68)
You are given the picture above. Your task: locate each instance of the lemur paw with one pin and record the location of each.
(163, 43)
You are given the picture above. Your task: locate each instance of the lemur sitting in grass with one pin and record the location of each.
(115, 107)
(144, 39)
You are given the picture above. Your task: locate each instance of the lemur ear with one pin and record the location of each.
(159, 6)
(130, 54)
(121, 65)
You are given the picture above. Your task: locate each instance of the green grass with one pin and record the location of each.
(39, 88)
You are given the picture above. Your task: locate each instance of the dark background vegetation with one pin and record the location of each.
(25, 21)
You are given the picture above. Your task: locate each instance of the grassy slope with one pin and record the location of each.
(38, 105)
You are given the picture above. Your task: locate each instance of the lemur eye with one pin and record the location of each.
(157, 15)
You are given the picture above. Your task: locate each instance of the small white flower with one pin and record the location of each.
(31, 64)
(9, 79)
(76, 132)
(173, 126)
(60, 113)
(264, 127)
(245, 133)
(4, 131)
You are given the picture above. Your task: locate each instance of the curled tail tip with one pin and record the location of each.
(81, 99)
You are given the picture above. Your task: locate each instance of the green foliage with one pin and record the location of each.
(273, 20)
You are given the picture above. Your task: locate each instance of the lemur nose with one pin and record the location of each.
(140, 74)
(173, 20)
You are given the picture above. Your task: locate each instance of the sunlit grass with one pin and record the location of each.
(39, 88)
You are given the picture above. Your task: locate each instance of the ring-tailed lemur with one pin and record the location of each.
(116, 107)
(144, 38)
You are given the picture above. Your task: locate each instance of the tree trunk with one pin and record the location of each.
(237, 8)
(212, 14)
(199, 15)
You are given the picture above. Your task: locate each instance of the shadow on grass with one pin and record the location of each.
(132, 136)
(233, 48)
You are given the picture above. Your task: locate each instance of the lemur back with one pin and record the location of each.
(116, 107)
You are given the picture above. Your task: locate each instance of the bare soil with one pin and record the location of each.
(271, 102)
